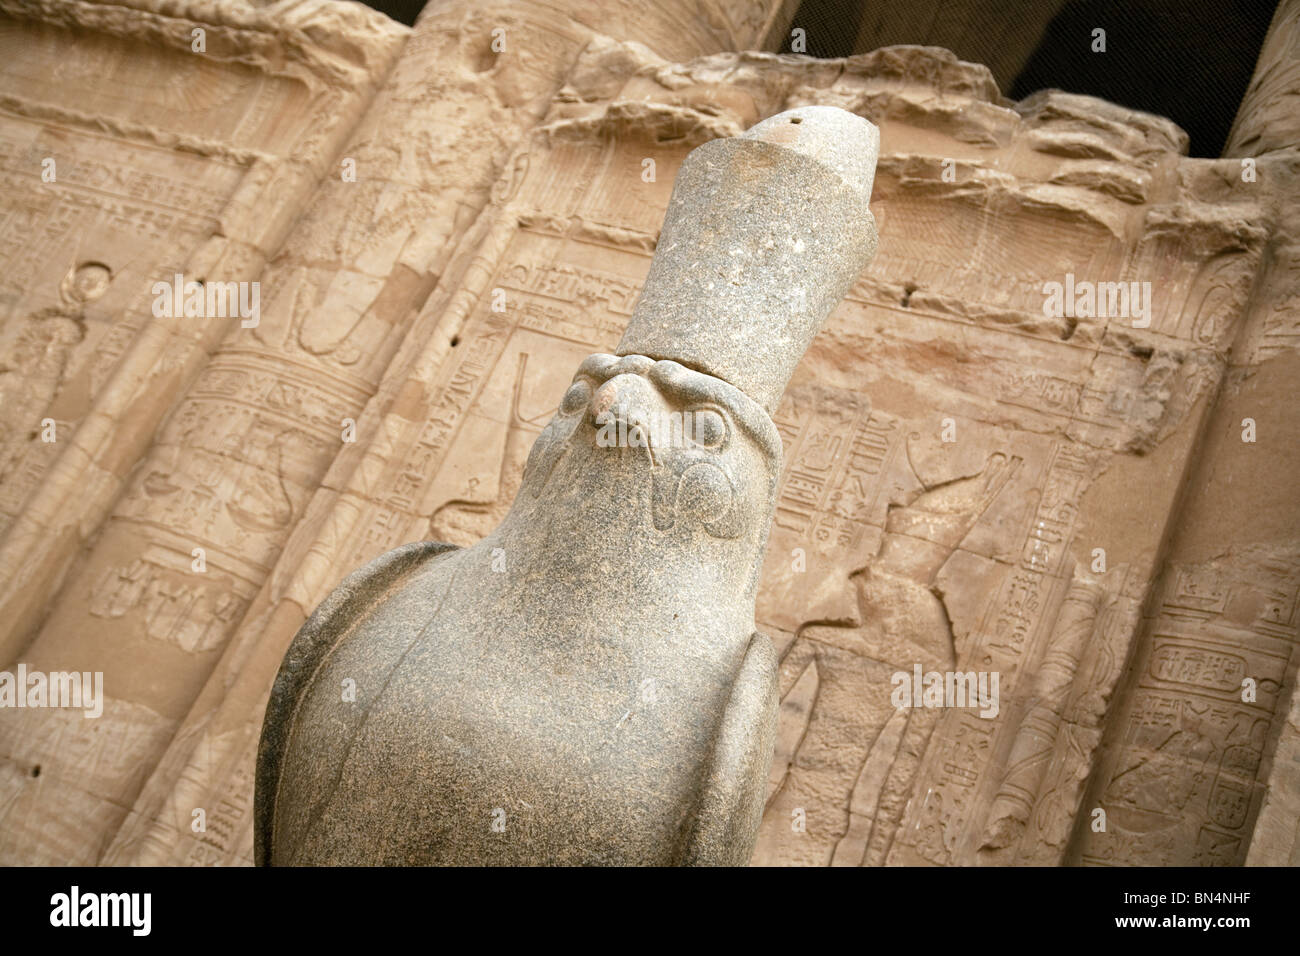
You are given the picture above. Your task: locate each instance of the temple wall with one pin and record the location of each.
(442, 230)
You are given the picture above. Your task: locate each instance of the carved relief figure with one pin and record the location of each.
(857, 743)
(35, 368)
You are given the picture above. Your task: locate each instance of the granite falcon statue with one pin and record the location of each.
(585, 684)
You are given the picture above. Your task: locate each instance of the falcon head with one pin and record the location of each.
(710, 451)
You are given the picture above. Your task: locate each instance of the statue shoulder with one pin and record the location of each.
(332, 620)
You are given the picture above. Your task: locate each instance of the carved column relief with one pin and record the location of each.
(240, 466)
(954, 456)
(1051, 414)
(199, 175)
(1200, 738)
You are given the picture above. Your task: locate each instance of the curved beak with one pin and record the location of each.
(620, 411)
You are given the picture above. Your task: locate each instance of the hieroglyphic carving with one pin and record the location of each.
(141, 180)
(102, 189)
(945, 799)
(34, 370)
(834, 499)
(940, 326)
(1183, 787)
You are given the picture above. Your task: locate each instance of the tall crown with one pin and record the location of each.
(764, 235)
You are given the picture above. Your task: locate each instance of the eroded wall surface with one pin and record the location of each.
(443, 222)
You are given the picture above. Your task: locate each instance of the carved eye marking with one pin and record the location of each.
(704, 493)
(576, 398)
(709, 428)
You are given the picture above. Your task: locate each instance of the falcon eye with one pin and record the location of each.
(576, 398)
(708, 428)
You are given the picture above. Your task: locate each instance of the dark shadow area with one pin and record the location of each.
(830, 27)
(1189, 61)
(403, 11)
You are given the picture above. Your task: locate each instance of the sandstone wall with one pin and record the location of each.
(969, 483)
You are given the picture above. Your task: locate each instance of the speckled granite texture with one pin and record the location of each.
(585, 685)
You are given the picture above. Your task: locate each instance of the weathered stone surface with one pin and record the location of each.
(277, 104)
(752, 207)
(585, 684)
(499, 230)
